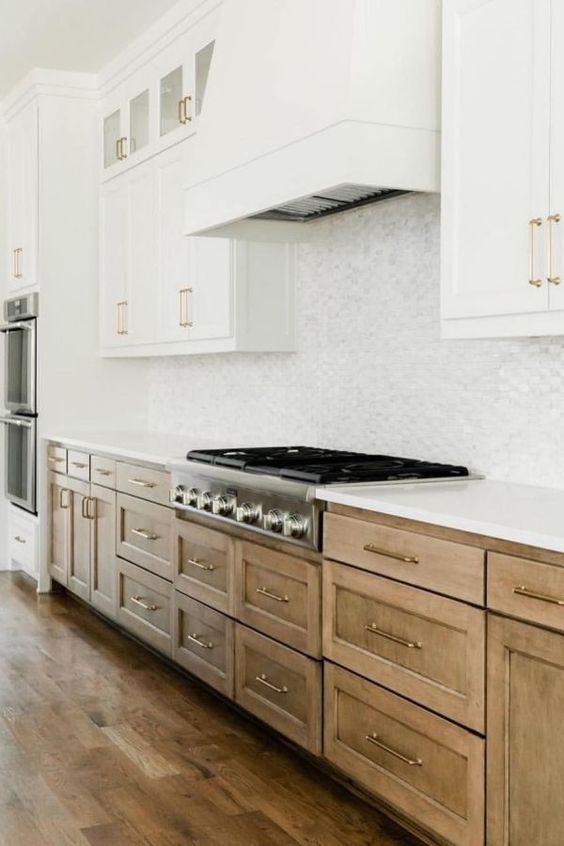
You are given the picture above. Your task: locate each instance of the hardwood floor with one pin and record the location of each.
(103, 745)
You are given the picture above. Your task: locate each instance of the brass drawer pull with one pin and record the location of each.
(145, 533)
(412, 762)
(407, 559)
(19, 539)
(183, 116)
(201, 565)
(79, 465)
(195, 639)
(262, 679)
(535, 221)
(543, 597)
(139, 601)
(184, 318)
(63, 500)
(411, 644)
(87, 501)
(102, 472)
(264, 592)
(53, 460)
(140, 483)
(554, 280)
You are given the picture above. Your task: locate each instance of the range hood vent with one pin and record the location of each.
(340, 198)
(314, 107)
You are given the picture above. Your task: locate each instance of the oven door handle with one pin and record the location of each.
(12, 421)
(13, 327)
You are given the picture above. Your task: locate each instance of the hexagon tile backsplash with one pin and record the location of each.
(370, 371)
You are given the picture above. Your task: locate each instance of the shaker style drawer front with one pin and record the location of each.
(78, 464)
(144, 535)
(56, 459)
(428, 768)
(22, 542)
(205, 564)
(528, 589)
(144, 606)
(103, 471)
(280, 595)
(143, 482)
(438, 565)
(279, 686)
(428, 648)
(203, 643)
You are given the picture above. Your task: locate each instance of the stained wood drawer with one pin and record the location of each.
(528, 589)
(144, 534)
(57, 458)
(428, 768)
(205, 565)
(203, 643)
(78, 465)
(103, 471)
(428, 648)
(280, 595)
(279, 686)
(143, 482)
(144, 606)
(438, 565)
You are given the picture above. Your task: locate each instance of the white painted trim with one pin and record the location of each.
(52, 83)
(504, 326)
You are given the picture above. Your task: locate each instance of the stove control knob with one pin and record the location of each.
(273, 520)
(222, 505)
(247, 513)
(191, 497)
(204, 501)
(176, 494)
(294, 526)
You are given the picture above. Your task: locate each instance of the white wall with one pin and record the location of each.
(3, 287)
(371, 372)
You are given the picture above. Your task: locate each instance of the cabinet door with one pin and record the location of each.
(525, 760)
(112, 138)
(79, 539)
(103, 550)
(496, 127)
(211, 299)
(114, 287)
(175, 95)
(142, 300)
(555, 235)
(59, 503)
(22, 156)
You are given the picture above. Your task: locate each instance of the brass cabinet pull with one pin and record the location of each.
(263, 679)
(264, 592)
(122, 318)
(201, 565)
(412, 762)
(87, 501)
(144, 533)
(17, 271)
(184, 319)
(53, 460)
(542, 597)
(84, 507)
(120, 147)
(183, 116)
(407, 559)
(63, 501)
(535, 221)
(195, 639)
(20, 539)
(551, 219)
(102, 472)
(141, 483)
(79, 464)
(138, 600)
(411, 644)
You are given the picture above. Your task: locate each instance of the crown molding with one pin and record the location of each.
(52, 83)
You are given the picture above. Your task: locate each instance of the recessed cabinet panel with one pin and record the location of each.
(210, 305)
(112, 136)
(139, 122)
(114, 280)
(59, 503)
(22, 195)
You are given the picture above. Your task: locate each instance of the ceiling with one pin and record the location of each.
(80, 35)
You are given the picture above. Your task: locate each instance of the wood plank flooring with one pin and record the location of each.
(103, 745)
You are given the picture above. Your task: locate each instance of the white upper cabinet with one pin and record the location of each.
(503, 169)
(23, 197)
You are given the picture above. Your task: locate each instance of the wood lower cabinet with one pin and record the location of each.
(103, 551)
(203, 643)
(80, 529)
(59, 499)
(144, 605)
(426, 767)
(144, 534)
(205, 565)
(525, 765)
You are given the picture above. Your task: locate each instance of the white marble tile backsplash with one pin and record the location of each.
(370, 371)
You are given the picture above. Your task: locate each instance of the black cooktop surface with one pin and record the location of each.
(324, 466)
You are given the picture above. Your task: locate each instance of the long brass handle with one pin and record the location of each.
(542, 597)
(412, 762)
(17, 267)
(122, 153)
(20, 539)
(103, 472)
(184, 320)
(410, 644)
(200, 565)
(119, 307)
(92, 501)
(84, 507)
(195, 639)
(14, 264)
(551, 219)
(187, 117)
(263, 679)
(264, 592)
(118, 149)
(181, 111)
(79, 464)
(144, 533)
(397, 556)
(52, 460)
(141, 483)
(63, 502)
(138, 600)
(535, 221)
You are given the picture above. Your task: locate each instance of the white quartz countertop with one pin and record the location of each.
(152, 447)
(525, 514)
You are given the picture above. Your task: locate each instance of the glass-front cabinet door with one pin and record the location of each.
(113, 139)
(139, 122)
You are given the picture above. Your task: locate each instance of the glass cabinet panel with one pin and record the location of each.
(112, 127)
(203, 63)
(171, 96)
(139, 122)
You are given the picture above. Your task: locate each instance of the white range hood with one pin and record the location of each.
(314, 106)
